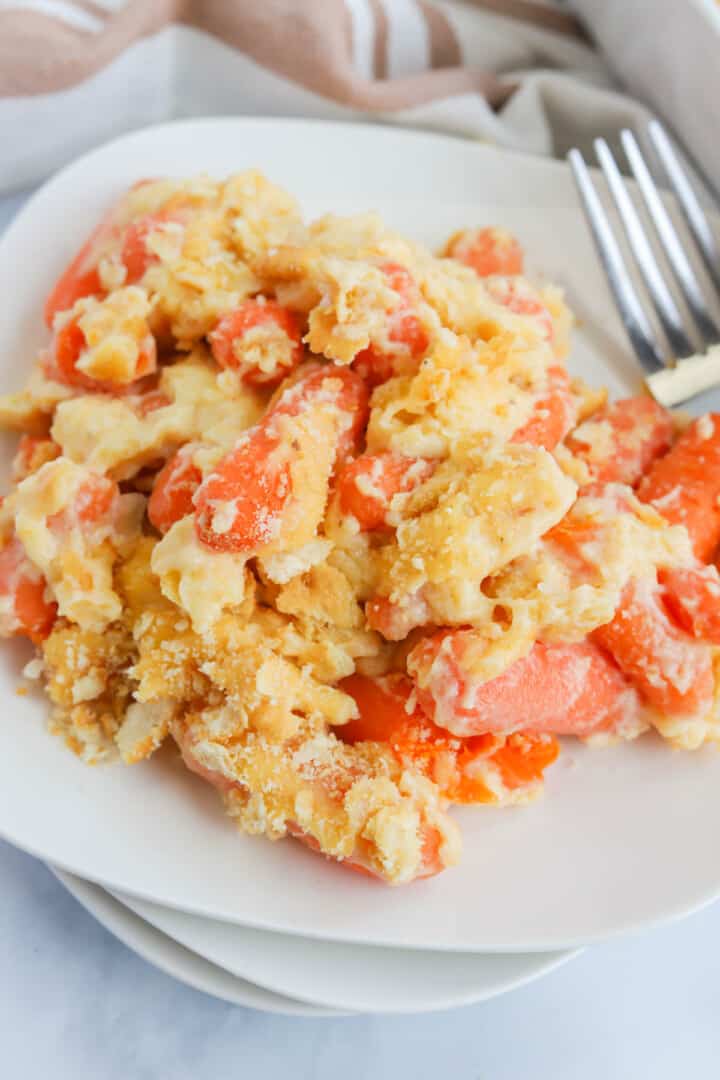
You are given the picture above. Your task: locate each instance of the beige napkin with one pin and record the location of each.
(519, 73)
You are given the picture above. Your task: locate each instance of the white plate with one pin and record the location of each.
(624, 838)
(176, 960)
(354, 978)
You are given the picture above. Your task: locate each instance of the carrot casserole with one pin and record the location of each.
(329, 512)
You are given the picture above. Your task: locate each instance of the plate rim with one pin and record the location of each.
(570, 945)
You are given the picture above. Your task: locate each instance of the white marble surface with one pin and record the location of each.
(75, 1004)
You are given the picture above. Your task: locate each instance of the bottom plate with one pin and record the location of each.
(174, 959)
(354, 978)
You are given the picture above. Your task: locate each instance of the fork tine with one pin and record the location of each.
(665, 305)
(694, 214)
(631, 311)
(670, 240)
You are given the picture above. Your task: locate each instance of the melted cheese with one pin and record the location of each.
(202, 582)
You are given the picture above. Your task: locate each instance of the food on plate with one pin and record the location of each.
(329, 513)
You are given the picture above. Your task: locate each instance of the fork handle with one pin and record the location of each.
(686, 379)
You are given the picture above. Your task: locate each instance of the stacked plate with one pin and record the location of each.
(625, 837)
(303, 976)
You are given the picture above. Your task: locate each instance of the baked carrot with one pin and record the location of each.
(671, 670)
(572, 689)
(488, 251)
(406, 336)
(395, 620)
(240, 505)
(25, 609)
(552, 416)
(95, 499)
(261, 340)
(327, 787)
(135, 255)
(523, 758)
(431, 861)
(400, 280)
(146, 403)
(173, 490)
(32, 452)
(576, 536)
(621, 441)
(692, 596)
(518, 296)
(368, 484)
(684, 485)
(80, 278)
(462, 768)
(327, 383)
(68, 347)
(93, 504)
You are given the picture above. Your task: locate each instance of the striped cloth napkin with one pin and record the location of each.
(526, 74)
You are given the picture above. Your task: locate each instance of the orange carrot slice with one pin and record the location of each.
(671, 670)
(80, 278)
(95, 499)
(146, 403)
(27, 611)
(23, 587)
(692, 596)
(518, 296)
(239, 506)
(684, 485)
(374, 366)
(620, 442)
(368, 484)
(552, 416)
(488, 251)
(523, 758)
(388, 715)
(328, 383)
(32, 452)
(559, 689)
(235, 346)
(67, 348)
(405, 331)
(395, 620)
(94, 504)
(576, 537)
(173, 490)
(135, 255)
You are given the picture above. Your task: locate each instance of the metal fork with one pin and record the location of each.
(691, 364)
